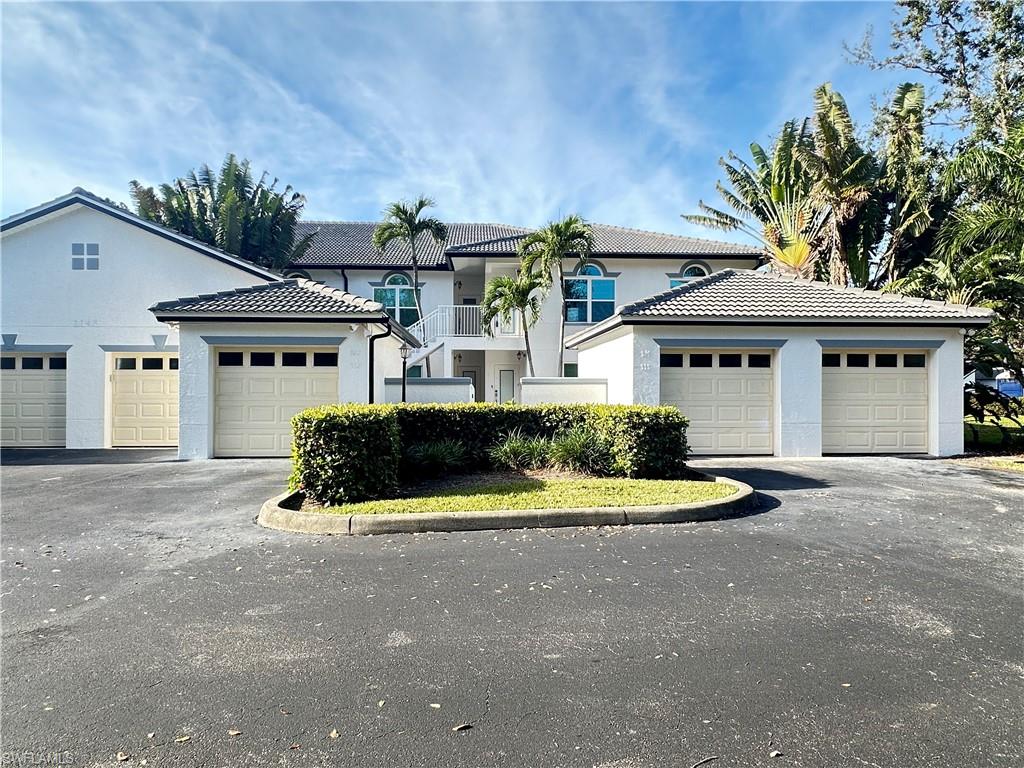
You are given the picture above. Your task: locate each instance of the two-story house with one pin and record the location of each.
(99, 353)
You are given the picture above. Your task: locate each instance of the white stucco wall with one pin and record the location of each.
(797, 371)
(433, 390)
(44, 301)
(564, 390)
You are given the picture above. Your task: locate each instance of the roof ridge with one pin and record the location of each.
(686, 287)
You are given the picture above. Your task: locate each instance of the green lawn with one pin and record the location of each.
(990, 436)
(537, 493)
(1007, 465)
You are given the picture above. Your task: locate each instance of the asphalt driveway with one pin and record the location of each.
(869, 615)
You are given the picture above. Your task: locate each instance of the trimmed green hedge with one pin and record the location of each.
(347, 453)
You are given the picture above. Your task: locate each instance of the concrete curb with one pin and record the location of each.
(275, 514)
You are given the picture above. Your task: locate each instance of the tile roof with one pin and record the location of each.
(282, 297)
(349, 243)
(741, 293)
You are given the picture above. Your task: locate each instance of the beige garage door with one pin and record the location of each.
(257, 391)
(144, 394)
(874, 402)
(33, 407)
(726, 395)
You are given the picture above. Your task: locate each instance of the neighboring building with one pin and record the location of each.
(99, 352)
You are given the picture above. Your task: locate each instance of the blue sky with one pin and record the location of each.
(502, 112)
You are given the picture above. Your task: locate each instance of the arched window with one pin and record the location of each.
(691, 271)
(589, 295)
(397, 297)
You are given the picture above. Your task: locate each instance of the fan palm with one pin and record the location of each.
(228, 210)
(843, 177)
(403, 222)
(505, 297)
(544, 252)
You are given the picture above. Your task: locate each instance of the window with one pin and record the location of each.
(173, 363)
(759, 361)
(571, 370)
(700, 361)
(689, 272)
(671, 360)
(31, 363)
(125, 364)
(152, 363)
(830, 360)
(589, 296)
(885, 361)
(414, 372)
(913, 361)
(81, 250)
(730, 360)
(325, 359)
(398, 299)
(262, 359)
(7, 363)
(58, 363)
(857, 360)
(293, 359)
(229, 358)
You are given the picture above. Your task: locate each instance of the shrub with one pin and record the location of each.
(581, 449)
(348, 453)
(519, 451)
(345, 453)
(435, 458)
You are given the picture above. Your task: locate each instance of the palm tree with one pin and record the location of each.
(506, 296)
(843, 178)
(251, 220)
(544, 252)
(402, 222)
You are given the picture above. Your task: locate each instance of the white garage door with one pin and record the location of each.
(874, 402)
(257, 391)
(144, 406)
(726, 395)
(33, 408)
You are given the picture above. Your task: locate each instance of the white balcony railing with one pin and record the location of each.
(458, 320)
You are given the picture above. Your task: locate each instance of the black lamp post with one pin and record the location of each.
(404, 351)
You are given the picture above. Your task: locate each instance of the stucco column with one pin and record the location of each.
(797, 418)
(87, 395)
(946, 397)
(195, 396)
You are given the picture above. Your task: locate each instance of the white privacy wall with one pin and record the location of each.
(456, 389)
(631, 353)
(563, 390)
(44, 301)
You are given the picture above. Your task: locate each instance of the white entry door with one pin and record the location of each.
(257, 391)
(874, 401)
(144, 400)
(727, 396)
(33, 400)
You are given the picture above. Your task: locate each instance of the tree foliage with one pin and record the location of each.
(229, 210)
(505, 297)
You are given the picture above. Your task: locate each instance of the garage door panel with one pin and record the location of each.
(33, 408)
(254, 404)
(729, 408)
(874, 409)
(144, 401)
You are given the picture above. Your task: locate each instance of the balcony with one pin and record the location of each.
(462, 321)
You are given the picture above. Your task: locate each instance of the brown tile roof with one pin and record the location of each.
(282, 297)
(349, 243)
(735, 293)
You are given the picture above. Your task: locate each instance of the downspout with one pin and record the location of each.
(373, 338)
(344, 280)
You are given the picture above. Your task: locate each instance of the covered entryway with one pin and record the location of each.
(874, 401)
(33, 408)
(144, 400)
(258, 390)
(726, 395)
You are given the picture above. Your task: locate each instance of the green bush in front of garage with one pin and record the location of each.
(349, 453)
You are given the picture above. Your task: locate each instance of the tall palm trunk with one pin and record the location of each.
(838, 267)
(416, 293)
(526, 338)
